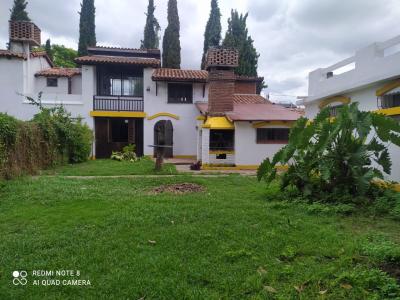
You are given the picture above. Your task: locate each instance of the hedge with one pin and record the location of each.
(51, 138)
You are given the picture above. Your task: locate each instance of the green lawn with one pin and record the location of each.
(227, 242)
(108, 167)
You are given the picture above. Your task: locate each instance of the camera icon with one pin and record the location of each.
(19, 277)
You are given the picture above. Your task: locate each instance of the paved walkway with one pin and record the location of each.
(183, 166)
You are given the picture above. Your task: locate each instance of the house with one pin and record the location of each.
(125, 96)
(371, 77)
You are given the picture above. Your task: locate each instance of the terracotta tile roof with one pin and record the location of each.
(262, 112)
(165, 74)
(248, 99)
(103, 59)
(42, 54)
(9, 54)
(123, 49)
(59, 72)
(256, 112)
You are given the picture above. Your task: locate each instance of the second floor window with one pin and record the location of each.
(180, 93)
(52, 82)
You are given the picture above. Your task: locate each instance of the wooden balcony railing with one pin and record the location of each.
(117, 103)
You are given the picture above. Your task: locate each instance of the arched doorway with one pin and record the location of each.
(164, 135)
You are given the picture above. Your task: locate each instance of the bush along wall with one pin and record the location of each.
(52, 137)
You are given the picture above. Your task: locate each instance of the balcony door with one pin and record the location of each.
(119, 81)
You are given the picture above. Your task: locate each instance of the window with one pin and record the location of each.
(222, 140)
(391, 100)
(119, 81)
(272, 135)
(334, 110)
(180, 93)
(52, 82)
(119, 130)
(69, 86)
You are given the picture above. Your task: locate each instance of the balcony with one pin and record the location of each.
(118, 103)
(374, 63)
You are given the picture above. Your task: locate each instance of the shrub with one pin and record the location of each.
(73, 139)
(48, 139)
(128, 154)
(338, 157)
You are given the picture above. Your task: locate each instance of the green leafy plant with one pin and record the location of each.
(335, 156)
(72, 137)
(128, 154)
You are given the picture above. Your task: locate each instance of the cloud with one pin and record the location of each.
(292, 37)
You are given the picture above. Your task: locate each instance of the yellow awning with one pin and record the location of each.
(218, 123)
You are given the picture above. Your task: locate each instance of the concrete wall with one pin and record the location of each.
(185, 132)
(247, 151)
(371, 64)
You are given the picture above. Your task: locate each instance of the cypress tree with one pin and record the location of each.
(18, 12)
(212, 35)
(237, 37)
(47, 48)
(151, 29)
(171, 43)
(87, 27)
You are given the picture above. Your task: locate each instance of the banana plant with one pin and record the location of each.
(341, 154)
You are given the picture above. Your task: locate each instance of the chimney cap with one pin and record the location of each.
(24, 31)
(222, 57)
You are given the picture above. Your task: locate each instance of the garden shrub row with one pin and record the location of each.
(52, 137)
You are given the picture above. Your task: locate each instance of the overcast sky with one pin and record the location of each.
(293, 37)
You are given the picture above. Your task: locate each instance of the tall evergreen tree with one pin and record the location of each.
(18, 12)
(237, 37)
(212, 35)
(47, 48)
(171, 42)
(151, 29)
(87, 27)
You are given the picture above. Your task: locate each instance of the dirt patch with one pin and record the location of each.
(178, 189)
(393, 269)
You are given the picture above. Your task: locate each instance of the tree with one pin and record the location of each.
(212, 35)
(237, 37)
(337, 156)
(47, 48)
(18, 12)
(63, 56)
(87, 27)
(171, 43)
(151, 39)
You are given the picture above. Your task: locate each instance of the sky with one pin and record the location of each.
(293, 37)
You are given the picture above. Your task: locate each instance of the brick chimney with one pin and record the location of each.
(220, 64)
(23, 35)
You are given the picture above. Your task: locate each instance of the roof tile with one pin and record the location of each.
(59, 72)
(10, 54)
(165, 74)
(103, 59)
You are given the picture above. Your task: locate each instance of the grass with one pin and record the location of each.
(225, 243)
(108, 167)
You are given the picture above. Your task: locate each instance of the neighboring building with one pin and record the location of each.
(371, 78)
(126, 98)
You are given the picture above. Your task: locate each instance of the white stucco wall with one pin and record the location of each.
(20, 80)
(367, 100)
(61, 88)
(40, 85)
(184, 129)
(247, 151)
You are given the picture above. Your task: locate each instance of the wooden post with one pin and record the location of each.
(159, 158)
